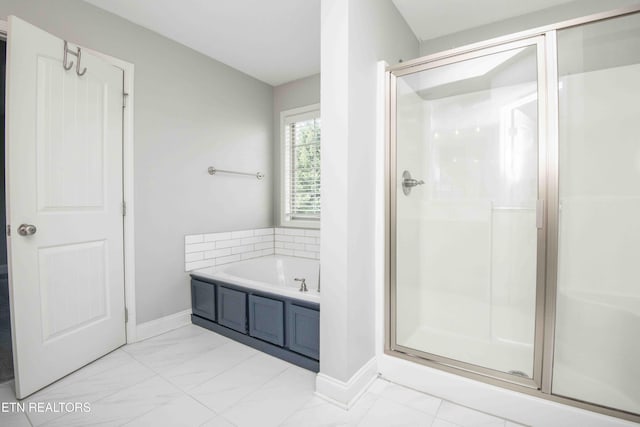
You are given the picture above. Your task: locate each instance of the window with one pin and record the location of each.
(301, 167)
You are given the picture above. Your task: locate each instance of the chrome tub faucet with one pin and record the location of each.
(303, 284)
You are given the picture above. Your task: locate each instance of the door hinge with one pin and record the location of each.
(124, 208)
(124, 99)
(8, 230)
(126, 315)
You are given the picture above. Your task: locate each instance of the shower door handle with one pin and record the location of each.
(412, 182)
(408, 182)
(540, 214)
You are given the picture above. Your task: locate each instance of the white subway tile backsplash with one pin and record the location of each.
(193, 256)
(207, 250)
(196, 238)
(251, 240)
(252, 254)
(217, 253)
(200, 264)
(214, 237)
(312, 248)
(283, 238)
(304, 254)
(294, 246)
(198, 247)
(266, 245)
(308, 240)
(228, 259)
(241, 234)
(241, 249)
(263, 232)
(228, 243)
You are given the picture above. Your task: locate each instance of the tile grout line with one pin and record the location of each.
(147, 412)
(189, 393)
(217, 416)
(137, 359)
(216, 375)
(378, 397)
(258, 389)
(442, 400)
(97, 401)
(167, 403)
(411, 407)
(88, 378)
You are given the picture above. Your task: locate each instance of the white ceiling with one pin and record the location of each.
(434, 18)
(278, 41)
(275, 41)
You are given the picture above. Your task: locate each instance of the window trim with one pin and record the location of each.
(285, 118)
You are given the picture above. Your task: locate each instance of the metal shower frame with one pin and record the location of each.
(545, 39)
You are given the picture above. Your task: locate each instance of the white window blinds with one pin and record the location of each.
(302, 167)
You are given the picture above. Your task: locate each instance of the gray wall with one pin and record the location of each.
(190, 112)
(298, 93)
(574, 9)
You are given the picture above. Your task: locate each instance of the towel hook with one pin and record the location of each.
(64, 61)
(78, 72)
(68, 65)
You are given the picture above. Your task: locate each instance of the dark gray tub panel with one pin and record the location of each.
(304, 331)
(275, 351)
(284, 327)
(232, 309)
(266, 319)
(203, 299)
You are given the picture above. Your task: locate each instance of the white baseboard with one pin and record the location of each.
(345, 394)
(162, 325)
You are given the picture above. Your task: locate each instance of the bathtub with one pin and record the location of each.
(258, 303)
(273, 274)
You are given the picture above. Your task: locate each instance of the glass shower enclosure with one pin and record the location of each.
(514, 230)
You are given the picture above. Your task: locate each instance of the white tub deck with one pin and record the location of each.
(274, 274)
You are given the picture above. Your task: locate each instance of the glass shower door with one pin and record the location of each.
(468, 211)
(597, 331)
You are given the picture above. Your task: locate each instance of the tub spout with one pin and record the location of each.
(303, 284)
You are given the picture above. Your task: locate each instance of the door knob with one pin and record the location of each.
(27, 229)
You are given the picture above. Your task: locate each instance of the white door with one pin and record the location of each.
(64, 172)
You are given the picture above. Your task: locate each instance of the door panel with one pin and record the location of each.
(70, 168)
(64, 272)
(466, 197)
(64, 169)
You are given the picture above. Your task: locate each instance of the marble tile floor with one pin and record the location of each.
(194, 377)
